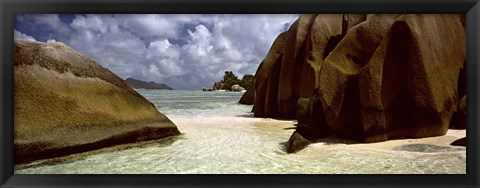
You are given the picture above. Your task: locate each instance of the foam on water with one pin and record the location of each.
(221, 136)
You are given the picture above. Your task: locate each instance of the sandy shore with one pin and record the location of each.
(444, 140)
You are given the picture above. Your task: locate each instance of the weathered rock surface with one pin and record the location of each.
(311, 122)
(66, 103)
(248, 97)
(366, 77)
(325, 33)
(338, 87)
(217, 85)
(236, 87)
(266, 79)
(351, 20)
(420, 74)
(296, 143)
(294, 56)
(459, 118)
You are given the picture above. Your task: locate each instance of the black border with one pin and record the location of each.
(8, 8)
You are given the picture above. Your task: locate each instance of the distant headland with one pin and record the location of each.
(139, 84)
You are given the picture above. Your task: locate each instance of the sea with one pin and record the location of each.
(221, 136)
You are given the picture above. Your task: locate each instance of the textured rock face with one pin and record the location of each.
(248, 97)
(366, 77)
(266, 79)
(296, 143)
(351, 20)
(217, 86)
(294, 56)
(419, 90)
(311, 121)
(237, 87)
(339, 88)
(324, 35)
(459, 118)
(66, 103)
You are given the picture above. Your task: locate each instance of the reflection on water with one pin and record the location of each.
(221, 136)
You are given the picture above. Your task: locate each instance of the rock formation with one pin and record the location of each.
(217, 85)
(338, 82)
(293, 58)
(459, 118)
(138, 84)
(366, 77)
(236, 87)
(296, 143)
(248, 97)
(266, 80)
(66, 103)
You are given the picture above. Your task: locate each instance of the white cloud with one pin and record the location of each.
(184, 51)
(99, 24)
(149, 25)
(200, 42)
(164, 49)
(19, 35)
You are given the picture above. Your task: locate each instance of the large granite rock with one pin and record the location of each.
(351, 20)
(218, 85)
(459, 118)
(293, 57)
(266, 79)
(312, 124)
(324, 34)
(248, 97)
(236, 87)
(338, 87)
(366, 77)
(420, 74)
(66, 103)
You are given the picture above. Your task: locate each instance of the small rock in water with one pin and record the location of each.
(296, 143)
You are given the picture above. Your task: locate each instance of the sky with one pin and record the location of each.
(183, 51)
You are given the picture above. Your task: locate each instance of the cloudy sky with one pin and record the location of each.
(183, 51)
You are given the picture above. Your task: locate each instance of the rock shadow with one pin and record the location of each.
(332, 140)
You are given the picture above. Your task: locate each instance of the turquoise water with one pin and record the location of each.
(197, 103)
(221, 136)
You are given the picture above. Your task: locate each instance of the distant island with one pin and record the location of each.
(138, 84)
(231, 82)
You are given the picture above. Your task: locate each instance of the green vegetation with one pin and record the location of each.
(247, 81)
(230, 79)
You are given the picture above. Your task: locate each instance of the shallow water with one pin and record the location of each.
(221, 136)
